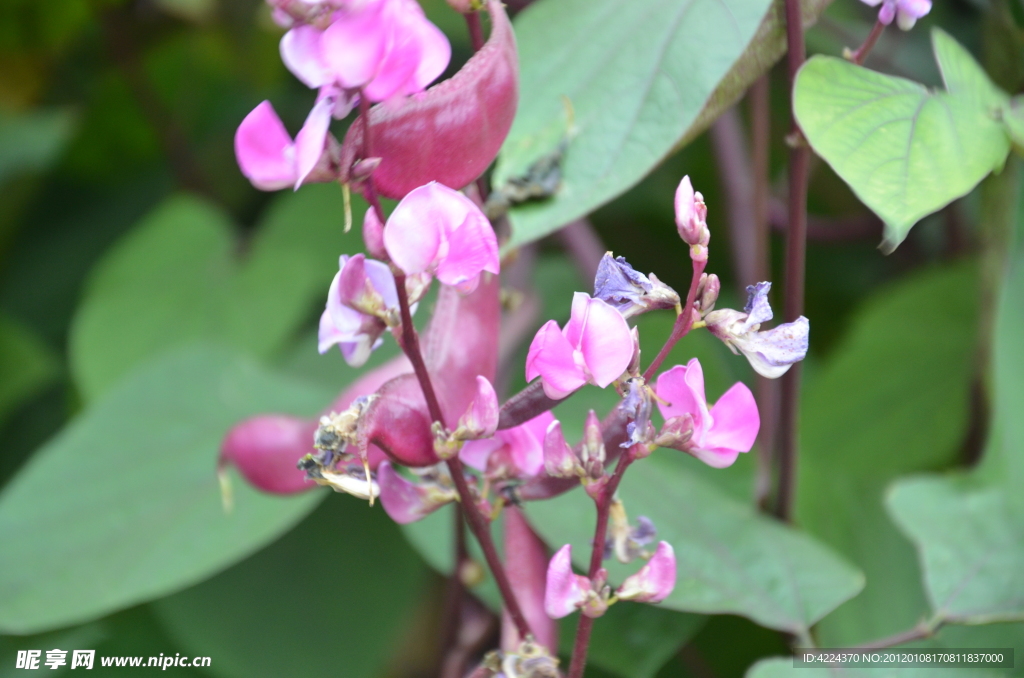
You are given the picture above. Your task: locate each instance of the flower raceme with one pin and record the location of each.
(567, 591)
(595, 346)
(717, 435)
(906, 12)
(437, 230)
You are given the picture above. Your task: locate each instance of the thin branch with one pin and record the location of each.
(525, 405)
(796, 252)
(683, 322)
(861, 53)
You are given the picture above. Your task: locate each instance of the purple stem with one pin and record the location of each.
(476, 34)
(861, 52)
(682, 325)
(586, 624)
(796, 252)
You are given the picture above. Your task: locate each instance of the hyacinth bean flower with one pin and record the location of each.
(566, 591)
(516, 452)
(630, 291)
(269, 158)
(770, 353)
(356, 332)
(691, 219)
(435, 229)
(717, 435)
(382, 48)
(595, 346)
(906, 12)
(406, 501)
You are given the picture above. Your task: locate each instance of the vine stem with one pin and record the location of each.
(586, 624)
(476, 31)
(796, 254)
(683, 322)
(861, 53)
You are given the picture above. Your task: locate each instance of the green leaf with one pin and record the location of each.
(175, 279)
(904, 150)
(636, 80)
(27, 364)
(633, 640)
(1014, 121)
(29, 142)
(971, 543)
(319, 599)
(893, 399)
(962, 75)
(730, 559)
(123, 505)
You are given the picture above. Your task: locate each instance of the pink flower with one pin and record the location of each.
(595, 347)
(719, 435)
(906, 12)
(655, 580)
(367, 284)
(481, 417)
(439, 230)
(270, 159)
(406, 501)
(521, 447)
(382, 48)
(566, 591)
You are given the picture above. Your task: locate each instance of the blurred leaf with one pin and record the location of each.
(904, 150)
(1015, 122)
(174, 279)
(893, 399)
(636, 82)
(730, 559)
(27, 364)
(782, 667)
(634, 640)
(344, 574)
(124, 506)
(971, 544)
(197, 11)
(30, 142)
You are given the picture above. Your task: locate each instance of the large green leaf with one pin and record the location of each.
(971, 542)
(637, 80)
(124, 506)
(335, 592)
(893, 399)
(904, 150)
(175, 278)
(730, 559)
(26, 363)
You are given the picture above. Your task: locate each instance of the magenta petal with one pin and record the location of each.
(459, 124)
(354, 46)
(264, 150)
(300, 52)
(474, 453)
(400, 62)
(551, 358)
(655, 580)
(472, 248)
(481, 418)
(682, 387)
(415, 230)
(309, 142)
(606, 342)
(265, 450)
(736, 421)
(405, 501)
(398, 423)
(565, 591)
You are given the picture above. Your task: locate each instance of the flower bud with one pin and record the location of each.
(559, 459)
(565, 591)
(691, 216)
(592, 452)
(655, 580)
(676, 433)
(709, 293)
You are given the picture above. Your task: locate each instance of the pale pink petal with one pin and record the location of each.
(472, 248)
(551, 358)
(435, 53)
(559, 460)
(682, 387)
(565, 591)
(405, 501)
(736, 421)
(655, 580)
(606, 343)
(888, 12)
(415, 229)
(300, 52)
(264, 150)
(481, 417)
(684, 204)
(353, 47)
(309, 142)
(573, 329)
(474, 453)
(400, 61)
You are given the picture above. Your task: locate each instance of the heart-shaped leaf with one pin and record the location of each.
(730, 559)
(124, 505)
(904, 150)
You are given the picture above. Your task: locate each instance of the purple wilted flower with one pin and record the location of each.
(655, 580)
(906, 12)
(595, 346)
(439, 230)
(637, 406)
(630, 291)
(270, 159)
(717, 435)
(624, 541)
(357, 333)
(772, 352)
